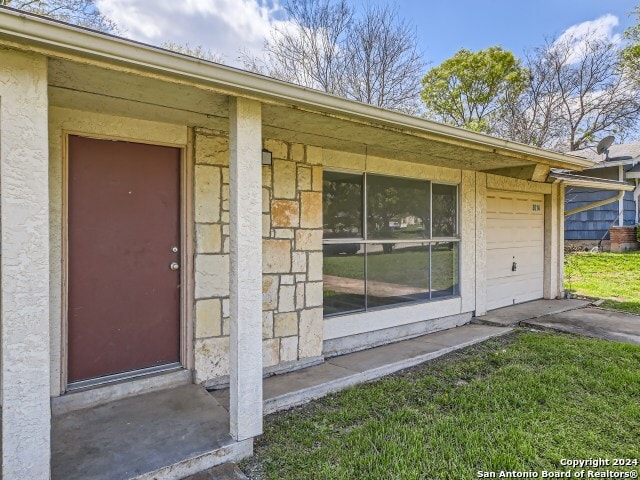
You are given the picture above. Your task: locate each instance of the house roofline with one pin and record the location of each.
(572, 180)
(615, 163)
(55, 36)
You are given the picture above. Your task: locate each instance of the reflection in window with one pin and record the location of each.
(397, 273)
(391, 259)
(343, 278)
(397, 208)
(445, 210)
(342, 205)
(444, 269)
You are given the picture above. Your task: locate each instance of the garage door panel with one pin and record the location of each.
(501, 262)
(498, 204)
(501, 239)
(499, 292)
(515, 236)
(515, 232)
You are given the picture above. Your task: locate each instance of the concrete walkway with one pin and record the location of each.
(291, 389)
(288, 390)
(227, 471)
(569, 316)
(177, 432)
(514, 314)
(592, 322)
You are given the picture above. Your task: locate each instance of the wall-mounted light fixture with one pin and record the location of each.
(267, 157)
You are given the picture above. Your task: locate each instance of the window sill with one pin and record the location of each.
(390, 307)
(343, 325)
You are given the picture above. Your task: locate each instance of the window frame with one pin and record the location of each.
(458, 197)
(365, 241)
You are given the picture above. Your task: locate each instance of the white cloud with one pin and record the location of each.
(223, 26)
(577, 36)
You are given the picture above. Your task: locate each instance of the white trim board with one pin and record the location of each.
(354, 324)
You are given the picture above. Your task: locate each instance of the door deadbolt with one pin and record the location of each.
(514, 266)
(174, 249)
(174, 266)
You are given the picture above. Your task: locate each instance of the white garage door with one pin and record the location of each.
(515, 248)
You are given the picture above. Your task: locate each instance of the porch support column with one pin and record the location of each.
(481, 244)
(561, 198)
(245, 189)
(467, 254)
(553, 242)
(24, 266)
(621, 201)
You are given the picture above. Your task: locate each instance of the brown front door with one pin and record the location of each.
(124, 225)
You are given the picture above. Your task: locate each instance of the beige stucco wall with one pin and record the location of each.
(24, 266)
(554, 242)
(293, 326)
(63, 120)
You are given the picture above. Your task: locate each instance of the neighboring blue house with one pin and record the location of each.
(589, 227)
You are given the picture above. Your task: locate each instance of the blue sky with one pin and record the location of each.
(446, 26)
(443, 26)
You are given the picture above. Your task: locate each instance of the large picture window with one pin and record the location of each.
(387, 241)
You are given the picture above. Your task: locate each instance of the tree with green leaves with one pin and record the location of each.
(84, 13)
(469, 89)
(630, 54)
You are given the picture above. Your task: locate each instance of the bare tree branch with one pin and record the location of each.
(79, 12)
(197, 52)
(572, 96)
(383, 63)
(307, 49)
(372, 58)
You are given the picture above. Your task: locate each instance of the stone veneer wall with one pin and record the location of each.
(292, 256)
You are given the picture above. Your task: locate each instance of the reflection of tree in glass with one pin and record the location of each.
(445, 205)
(342, 205)
(397, 208)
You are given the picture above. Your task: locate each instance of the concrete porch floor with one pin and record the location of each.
(177, 432)
(174, 433)
(168, 434)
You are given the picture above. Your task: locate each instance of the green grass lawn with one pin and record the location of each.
(612, 276)
(520, 402)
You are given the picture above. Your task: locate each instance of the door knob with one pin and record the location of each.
(174, 266)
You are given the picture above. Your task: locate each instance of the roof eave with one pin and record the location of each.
(589, 182)
(614, 163)
(55, 36)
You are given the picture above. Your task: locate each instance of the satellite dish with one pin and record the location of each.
(604, 144)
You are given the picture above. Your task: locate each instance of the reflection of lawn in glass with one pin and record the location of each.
(406, 233)
(405, 267)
